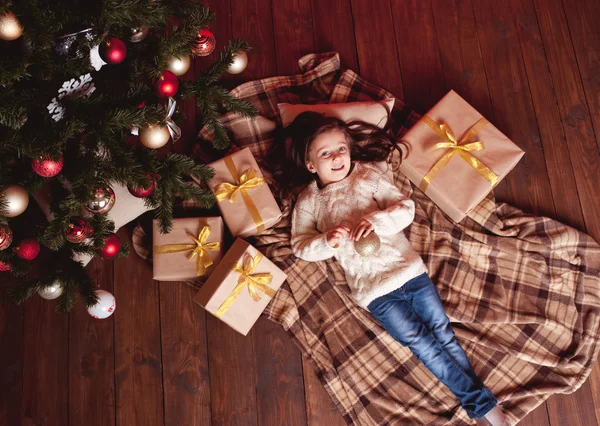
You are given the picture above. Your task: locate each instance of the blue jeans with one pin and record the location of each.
(415, 317)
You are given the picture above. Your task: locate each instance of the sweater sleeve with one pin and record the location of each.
(397, 210)
(307, 242)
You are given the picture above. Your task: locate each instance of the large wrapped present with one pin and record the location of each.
(456, 157)
(240, 287)
(190, 251)
(243, 195)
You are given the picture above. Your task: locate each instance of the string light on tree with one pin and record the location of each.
(179, 66)
(154, 136)
(204, 44)
(53, 291)
(139, 33)
(102, 200)
(10, 27)
(6, 237)
(113, 51)
(240, 61)
(17, 199)
(47, 167)
(111, 248)
(28, 249)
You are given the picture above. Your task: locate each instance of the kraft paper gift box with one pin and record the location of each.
(243, 195)
(240, 287)
(191, 251)
(456, 157)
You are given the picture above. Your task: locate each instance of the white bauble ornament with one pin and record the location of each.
(240, 61)
(16, 198)
(105, 307)
(52, 292)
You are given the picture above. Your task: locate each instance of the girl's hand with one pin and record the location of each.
(362, 229)
(336, 235)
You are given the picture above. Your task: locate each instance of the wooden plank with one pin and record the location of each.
(280, 385)
(294, 35)
(45, 364)
(556, 151)
(138, 375)
(92, 358)
(376, 45)
(320, 409)
(572, 104)
(419, 54)
(527, 186)
(185, 358)
(11, 359)
(334, 30)
(232, 369)
(582, 18)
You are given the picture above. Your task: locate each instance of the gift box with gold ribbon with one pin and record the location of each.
(190, 251)
(240, 287)
(456, 156)
(243, 195)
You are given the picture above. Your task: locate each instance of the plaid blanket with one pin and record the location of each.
(523, 292)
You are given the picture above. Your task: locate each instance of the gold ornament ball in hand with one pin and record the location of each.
(10, 27)
(155, 136)
(16, 198)
(368, 246)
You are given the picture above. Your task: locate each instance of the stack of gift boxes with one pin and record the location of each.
(238, 285)
(456, 157)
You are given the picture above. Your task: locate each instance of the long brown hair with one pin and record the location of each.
(367, 142)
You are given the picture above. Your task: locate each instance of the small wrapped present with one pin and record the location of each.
(190, 251)
(247, 203)
(240, 287)
(456, 157)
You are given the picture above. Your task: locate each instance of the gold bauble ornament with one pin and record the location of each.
(368, 246)
(178, 66)
(101, 200)
(10, 27)
(240, 61)
(155, 136)
(139, 33)
(51, 292)
(17, 199)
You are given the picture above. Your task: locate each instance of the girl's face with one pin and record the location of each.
(329, 157)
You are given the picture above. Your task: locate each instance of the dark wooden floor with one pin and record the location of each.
(531, 66)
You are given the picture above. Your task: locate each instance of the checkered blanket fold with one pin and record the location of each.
(522, 291)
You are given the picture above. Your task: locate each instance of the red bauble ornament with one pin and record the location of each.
(113, 51)
(140, 192)
(28, 249)
(4, 267)
(167, 84)
(78, 230)
(111, 248)
(46, 167)
(6, 237)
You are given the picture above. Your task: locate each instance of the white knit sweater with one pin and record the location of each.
(364, 193)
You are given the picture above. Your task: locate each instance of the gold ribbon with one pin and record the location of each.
(246, 181)
(461, 147)
(199, 249)
(255, 282)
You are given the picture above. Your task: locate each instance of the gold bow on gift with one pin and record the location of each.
(461, 147)
(246, 181)
(200, 248)
(255, 282)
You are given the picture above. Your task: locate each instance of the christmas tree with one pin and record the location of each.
(78, 78)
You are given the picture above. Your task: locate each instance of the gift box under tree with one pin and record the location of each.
(191, 251)
(240, 287)
(243, 195)
(456, 157)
